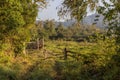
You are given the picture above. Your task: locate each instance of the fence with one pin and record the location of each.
(35, 44)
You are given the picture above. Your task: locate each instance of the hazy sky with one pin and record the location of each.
(50, 12)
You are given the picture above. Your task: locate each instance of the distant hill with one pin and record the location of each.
(95, 19)
(66, 23)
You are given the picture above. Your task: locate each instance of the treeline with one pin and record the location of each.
(75, 32)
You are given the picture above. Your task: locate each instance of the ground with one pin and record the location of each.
(86, 61)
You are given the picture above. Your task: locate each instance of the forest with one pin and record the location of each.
(47, 50)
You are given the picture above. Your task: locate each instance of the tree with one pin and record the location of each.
(110, 9)
(16, 21)
(60, 29)
(78, 8)
(49, 26)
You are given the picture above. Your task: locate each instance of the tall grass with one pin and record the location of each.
(86, 61)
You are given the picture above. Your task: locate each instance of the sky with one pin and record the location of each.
(50, 12)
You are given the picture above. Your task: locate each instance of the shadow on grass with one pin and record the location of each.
(7, 74)
(86, 68)
(113, 68)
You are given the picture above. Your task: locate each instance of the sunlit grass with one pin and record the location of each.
(86, 61)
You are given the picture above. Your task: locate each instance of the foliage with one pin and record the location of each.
(16, 21)
(76, 32)
(46, 29)
(110, 9)
(77, 8)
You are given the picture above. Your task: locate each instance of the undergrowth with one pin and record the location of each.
(86, 61)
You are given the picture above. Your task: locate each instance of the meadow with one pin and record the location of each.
(85, 61)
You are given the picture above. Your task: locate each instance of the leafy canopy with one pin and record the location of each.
(17, 18)
(78, 8)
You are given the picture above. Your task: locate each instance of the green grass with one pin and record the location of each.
(86, 61)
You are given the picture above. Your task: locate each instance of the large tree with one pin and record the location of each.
(17, 17)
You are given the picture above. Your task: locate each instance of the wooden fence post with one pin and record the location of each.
(43, 48)
(38, 43)
(24, 50)
(43, 43)
(65, 53)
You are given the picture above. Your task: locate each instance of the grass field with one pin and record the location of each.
(86, 61)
